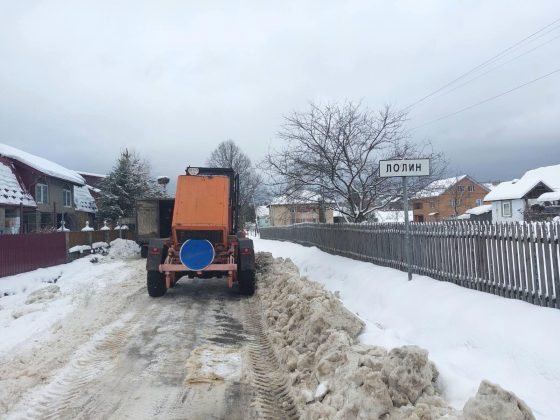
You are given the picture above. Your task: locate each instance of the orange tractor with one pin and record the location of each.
(205, 238)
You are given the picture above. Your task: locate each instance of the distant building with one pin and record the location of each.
(447, 198)
(537, 189)
(303, 209)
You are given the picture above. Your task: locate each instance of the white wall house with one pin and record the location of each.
(512, 198)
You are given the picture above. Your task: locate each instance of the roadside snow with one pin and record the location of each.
(124, 248)
(470, 335)
(30, 303)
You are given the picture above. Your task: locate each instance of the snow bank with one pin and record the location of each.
(30, 303)
(124, 248)
(336, 377)
(470, 335)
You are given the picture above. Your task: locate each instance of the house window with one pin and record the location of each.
(479, 202)
(417, 206)
(42, 193)
(506, 209)
(455, 203)
(67, 198)
(461, 188)
(432, 205)
(470, 188)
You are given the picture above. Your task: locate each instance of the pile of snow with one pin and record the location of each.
(470, 335)
(336, 377)
(79, 248)
(124, 248)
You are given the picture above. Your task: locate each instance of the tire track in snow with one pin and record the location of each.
(88, 363)
(273, 399)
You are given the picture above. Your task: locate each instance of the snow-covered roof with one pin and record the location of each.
(509, 190)
(11, 191)
(262, 211)
(42, 165)
(438, 187)
(485, 208)
(549, 196)
(489, 185)
(91, 174)
(465, 216)
(83, 200)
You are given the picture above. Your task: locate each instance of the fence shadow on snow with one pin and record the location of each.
(514, 260)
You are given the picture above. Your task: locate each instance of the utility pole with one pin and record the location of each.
(406, 227)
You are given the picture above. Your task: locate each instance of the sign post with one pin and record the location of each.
(404, 168)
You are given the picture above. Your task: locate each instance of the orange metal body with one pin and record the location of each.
(202, 203)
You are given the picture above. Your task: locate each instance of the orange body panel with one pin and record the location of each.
(202, 203)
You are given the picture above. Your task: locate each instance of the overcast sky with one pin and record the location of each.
(79, 81)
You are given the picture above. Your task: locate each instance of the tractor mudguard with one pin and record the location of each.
(246, 254)
(157, 251)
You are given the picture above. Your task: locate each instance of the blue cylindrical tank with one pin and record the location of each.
(196, 254)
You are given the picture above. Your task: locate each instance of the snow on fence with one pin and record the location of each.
(20, 253)
(515, 260)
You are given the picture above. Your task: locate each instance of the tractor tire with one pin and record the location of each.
(156, 284)
(246, 279)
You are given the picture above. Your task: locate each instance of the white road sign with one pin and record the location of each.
(404, 167)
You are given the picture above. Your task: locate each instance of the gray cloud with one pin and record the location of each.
(81, 80)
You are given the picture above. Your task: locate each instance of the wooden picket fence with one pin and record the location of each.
(29, 251)
(514, 260)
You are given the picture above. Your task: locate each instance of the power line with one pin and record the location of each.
(483, 64)
(486, 100)
(499, 66)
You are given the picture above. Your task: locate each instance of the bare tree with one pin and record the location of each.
(229, 155)
(334, 151)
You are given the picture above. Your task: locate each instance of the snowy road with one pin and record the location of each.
(125, 355)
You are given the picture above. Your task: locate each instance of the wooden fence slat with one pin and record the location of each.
(555, 262)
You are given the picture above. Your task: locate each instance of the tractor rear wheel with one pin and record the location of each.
(246, 279)
(156, 284)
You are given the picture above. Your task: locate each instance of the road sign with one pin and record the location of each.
(404, 167)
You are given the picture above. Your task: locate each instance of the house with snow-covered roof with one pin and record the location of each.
(537, 188)
(52, 188)
(447, 198)
(303, 207)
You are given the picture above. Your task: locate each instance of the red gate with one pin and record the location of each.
(20, 253)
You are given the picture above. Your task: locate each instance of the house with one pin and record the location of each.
(53, 190)
(512, 200)
(14, 198)
(304, 208)
(447, 198)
